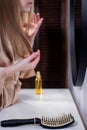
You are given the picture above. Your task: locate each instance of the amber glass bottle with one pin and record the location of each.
(38, 83)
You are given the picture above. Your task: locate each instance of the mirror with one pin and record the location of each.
(78, 38)
(64, 24)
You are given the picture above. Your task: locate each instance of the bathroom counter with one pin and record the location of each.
(51, 103)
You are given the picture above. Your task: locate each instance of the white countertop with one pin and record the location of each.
(51, 103)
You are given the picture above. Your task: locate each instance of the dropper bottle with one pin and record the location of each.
(38, 83)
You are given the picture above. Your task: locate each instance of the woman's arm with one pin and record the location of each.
(28, 63)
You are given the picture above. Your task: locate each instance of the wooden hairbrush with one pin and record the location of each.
(46, 122)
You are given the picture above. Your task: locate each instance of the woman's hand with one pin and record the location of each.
(29, 62)
(33, 27)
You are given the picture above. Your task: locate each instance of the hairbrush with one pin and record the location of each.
(45, 122)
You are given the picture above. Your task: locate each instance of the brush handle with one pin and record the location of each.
(18, 122)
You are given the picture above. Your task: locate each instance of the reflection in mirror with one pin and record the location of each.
(52, 40)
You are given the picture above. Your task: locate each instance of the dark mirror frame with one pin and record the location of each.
(78, 41)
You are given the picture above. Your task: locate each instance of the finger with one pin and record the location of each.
(35, 61)
(32, 56)
(35, 18)
(38, 51)
(40, 22)
(26, 55)
(38, 16)
(25, 30)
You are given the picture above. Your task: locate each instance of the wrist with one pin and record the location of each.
(10, 70)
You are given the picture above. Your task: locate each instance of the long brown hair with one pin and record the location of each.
(12, 38)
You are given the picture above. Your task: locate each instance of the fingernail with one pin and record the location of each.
(26, 55)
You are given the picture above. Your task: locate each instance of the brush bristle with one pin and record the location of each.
(59, 121)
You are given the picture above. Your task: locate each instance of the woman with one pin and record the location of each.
(17, 34)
